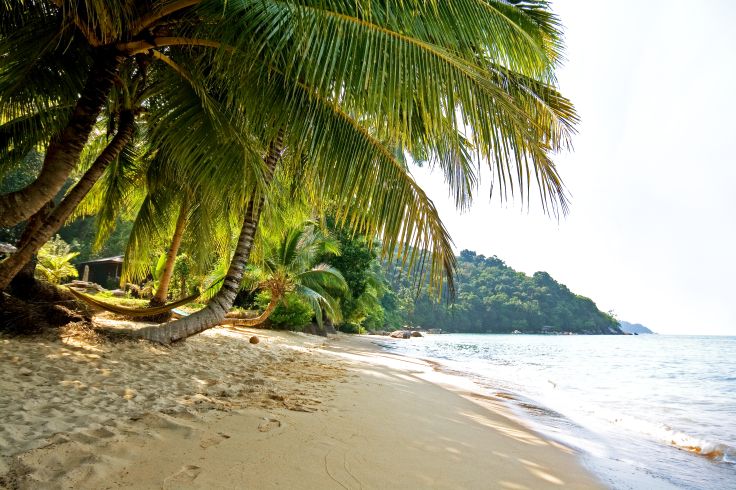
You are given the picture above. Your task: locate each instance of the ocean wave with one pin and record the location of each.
(714, 451)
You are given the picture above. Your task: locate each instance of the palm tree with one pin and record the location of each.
(52, 223)
(514, 119)
(124, 105)
(40, 110)
(223, 300)
(146, 93)
(288, 266)
(487, 53)
(335, 84)
(162, 292)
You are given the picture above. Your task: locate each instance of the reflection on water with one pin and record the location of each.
(648, 411)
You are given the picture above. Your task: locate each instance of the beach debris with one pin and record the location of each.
(254, 340)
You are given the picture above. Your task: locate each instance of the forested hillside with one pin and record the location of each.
(493, 297)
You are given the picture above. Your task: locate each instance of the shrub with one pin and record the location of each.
(351, 327)
(54, 261)
(292, 312)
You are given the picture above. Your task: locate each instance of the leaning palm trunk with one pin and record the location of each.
(220, 304)
(252, 322)
(163, 286)
(42, 233)
(25, 279)
(65, 148)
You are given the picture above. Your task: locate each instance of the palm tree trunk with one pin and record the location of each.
(15, 262)
(252, 322)
(65, 148)
(25, 279)
(220, 304)
(163, 286)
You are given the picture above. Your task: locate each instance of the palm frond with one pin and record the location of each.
(323, 276)
(320, 302)
(150, 231)
(32, 130)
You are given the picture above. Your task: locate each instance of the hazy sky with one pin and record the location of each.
(652, 232)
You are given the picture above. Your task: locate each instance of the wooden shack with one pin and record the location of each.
(105, 272)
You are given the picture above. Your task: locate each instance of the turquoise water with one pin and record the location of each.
(647, 411)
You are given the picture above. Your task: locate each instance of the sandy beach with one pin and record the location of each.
(293, 411)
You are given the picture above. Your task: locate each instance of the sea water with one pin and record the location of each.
(646, 411)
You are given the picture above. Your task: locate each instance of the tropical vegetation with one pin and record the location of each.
(494, 298)
(196, 118)
(54, 261)
(289, 270)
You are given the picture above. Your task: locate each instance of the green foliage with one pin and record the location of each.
(54, 261)
(16, 177)
(355, 86)
(493, 297)
(351, 327)
(183, 279)
(21, 173)
(368, 308)
(293, 312)
(81, 234)
(288, 265)
(392, 316)
(354, 261)
(354, 258)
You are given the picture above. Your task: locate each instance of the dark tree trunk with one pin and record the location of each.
(220, 304)
(62, 155)
(163, 286)
(25, 279)
(41, 234)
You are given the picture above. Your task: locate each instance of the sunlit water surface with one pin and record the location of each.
(646, 411)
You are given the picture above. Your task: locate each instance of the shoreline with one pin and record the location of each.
(623, 447)
(325, 413)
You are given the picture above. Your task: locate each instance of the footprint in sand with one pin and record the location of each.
(268, 425)
(213, 441)
(186, 474)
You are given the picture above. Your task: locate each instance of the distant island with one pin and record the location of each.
(494, 298)
(633, 328)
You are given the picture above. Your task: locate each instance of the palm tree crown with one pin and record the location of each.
(288, 266)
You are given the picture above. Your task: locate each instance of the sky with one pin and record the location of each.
(651, 233)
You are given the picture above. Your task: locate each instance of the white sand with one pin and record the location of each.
(293, 411)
